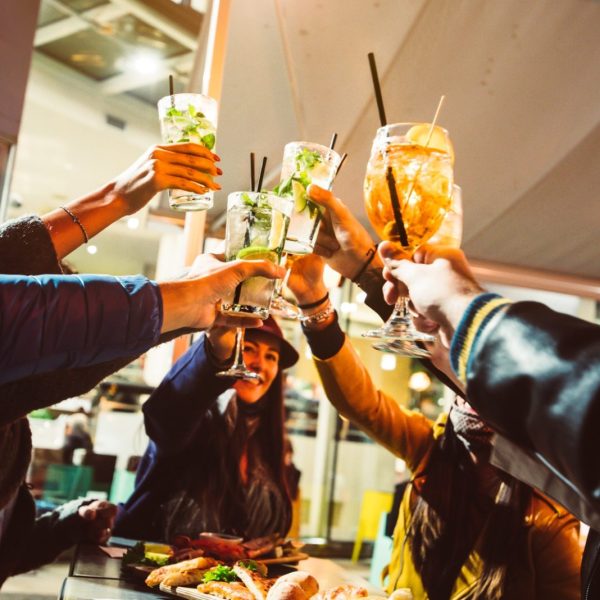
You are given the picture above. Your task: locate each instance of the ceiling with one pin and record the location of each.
(521, 79)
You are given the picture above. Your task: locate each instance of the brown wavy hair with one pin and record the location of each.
(447, 522)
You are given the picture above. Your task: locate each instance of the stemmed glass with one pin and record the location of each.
(255, 230)
(408, 189)
(303, 163)
(449, 234)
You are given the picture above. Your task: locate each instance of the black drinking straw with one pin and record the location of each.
(377, 88)
(344, 157)
(391, 183)
(333, 141)
(262, 173)
(171, 91)
(252, 178)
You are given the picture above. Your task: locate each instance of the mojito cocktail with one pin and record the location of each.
(257, 223)
(305, 163)
(189, 118)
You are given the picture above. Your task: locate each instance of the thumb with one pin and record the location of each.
(253, 268)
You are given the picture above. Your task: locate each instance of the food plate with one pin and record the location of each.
(186, 592)
(284, 560)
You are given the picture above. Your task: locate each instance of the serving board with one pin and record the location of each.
(291, 559)
(186, 592)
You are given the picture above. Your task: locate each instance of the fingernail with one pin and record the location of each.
(216, 157)
(217, 186)
(219, 171)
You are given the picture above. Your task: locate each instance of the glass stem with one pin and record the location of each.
(238, 360)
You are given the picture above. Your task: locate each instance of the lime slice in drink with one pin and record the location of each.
(300, 196)
(257, 253)
(439, 140)
(277, 232)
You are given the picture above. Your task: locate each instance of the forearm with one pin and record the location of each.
(58, 322)
(533, 374)
(177, 408)
(95, 211)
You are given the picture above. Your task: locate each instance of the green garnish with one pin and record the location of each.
(249, 564)
(173, 112)
(137, 555)
(209, 140)
(307, 159)
(220, 573)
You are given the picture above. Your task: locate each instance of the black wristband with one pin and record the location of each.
(371, 252)
(314, 304)
(76, 220)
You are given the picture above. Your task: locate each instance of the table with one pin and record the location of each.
(93, 574)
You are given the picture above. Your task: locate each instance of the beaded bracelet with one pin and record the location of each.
(319, 317)
(77, 222)
(371, 252)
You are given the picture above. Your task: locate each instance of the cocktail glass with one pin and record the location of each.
(189, 118)
(408, 188)
(305, 163)
(256, 227)
(449, 234)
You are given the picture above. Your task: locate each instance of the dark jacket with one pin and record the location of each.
(190, 425)
(534, 374)
(26, 248)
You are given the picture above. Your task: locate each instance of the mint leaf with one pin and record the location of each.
(307, 159)
(247, 200)
(284, 188)
(220, 573)
(182, 140)
(209, 140)
(173, 112)
(192, 110)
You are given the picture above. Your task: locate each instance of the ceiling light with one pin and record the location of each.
(419, 381)
(144, 63)
(388, 362)
(133, 222)
(92, 249)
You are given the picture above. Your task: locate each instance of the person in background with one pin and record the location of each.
(531, 372)
(216, 457)
(60, 336)
(465, 529)
(292, 475)
(77, 435)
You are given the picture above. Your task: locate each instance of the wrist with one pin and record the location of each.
(219, 351)
(372, 274)
(318, 317)
(311, 295)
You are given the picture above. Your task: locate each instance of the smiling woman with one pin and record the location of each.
(215, 461)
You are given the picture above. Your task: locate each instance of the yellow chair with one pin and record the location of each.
(373, 504)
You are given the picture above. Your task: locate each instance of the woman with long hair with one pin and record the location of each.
(215, 461)
(465, 530)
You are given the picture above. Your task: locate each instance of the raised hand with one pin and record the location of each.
(306, 279)
(99, 517)
(187, 166)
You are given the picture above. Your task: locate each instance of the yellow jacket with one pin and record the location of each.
(550, 562)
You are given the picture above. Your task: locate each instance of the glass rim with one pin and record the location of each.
(168, 97)
(314, 145)
(408, 124)
(234, 197)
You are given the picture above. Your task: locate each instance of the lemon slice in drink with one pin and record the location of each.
(439, 138)
(277, 232)
(258, 253)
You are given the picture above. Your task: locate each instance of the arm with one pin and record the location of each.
(175, 411)
(57, 322)
(184, 166)
(530, 372)
(557, 558)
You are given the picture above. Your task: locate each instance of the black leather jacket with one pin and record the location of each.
(534, 374)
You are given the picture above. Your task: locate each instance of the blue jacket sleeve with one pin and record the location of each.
(63, 321)
(175, 411)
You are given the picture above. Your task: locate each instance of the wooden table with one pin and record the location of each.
(95, 575)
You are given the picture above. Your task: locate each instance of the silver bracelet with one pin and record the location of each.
(318, 317)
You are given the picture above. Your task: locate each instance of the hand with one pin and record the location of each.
(193, 302)
(185, 166)
(99, 517)
(342, 240)
(438, 279)
(306, 279)
(221, 337)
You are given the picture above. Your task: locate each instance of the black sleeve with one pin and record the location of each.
(534, 374)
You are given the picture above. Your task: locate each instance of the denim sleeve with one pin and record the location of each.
(64, 321)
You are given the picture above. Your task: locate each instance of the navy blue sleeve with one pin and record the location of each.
(175, 412)
(64, 321)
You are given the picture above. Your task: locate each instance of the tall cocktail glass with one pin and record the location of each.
(305, 163)
(189, 118)
(407, 188)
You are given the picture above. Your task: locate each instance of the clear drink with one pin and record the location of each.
(257, 224)
(305, 163)
(188, 118)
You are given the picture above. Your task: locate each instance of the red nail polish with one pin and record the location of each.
(219, 171)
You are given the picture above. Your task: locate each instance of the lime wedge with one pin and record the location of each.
(157, 558)
(277, 232)
(257, 253)
(300, 196)
(160, 548)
